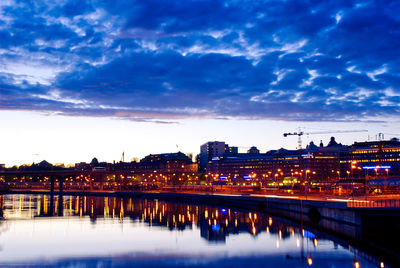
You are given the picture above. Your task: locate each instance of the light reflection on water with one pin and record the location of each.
(109, 231)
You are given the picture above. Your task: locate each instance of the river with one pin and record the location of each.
(111, 232)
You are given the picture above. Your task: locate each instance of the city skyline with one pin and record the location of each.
(89, 79)
(128, 156)
(199, 133)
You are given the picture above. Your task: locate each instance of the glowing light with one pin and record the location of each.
(377, 167)
(308, 234)
(309, 261)
(216, 227)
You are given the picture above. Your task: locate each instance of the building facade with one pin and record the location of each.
(367, 160)
(209, 150)
(371, 159)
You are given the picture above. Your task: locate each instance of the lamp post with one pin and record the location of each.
(278, 179)
(366, 181)
(306, 182)
(386, 181)
(353, 166)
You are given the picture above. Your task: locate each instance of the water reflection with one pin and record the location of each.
(215, 223)
(171, 229)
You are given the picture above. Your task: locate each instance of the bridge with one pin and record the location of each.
(61, 176)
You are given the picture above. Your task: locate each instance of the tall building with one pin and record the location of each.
(209, 150)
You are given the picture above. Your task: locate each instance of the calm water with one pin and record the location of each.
(103, 232)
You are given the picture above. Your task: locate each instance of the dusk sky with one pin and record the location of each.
(97, 78)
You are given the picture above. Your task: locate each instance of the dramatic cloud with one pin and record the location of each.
(163, 60)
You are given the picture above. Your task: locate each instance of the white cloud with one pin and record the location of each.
(338, 17)
(308, 82)
(391, 93)
(33, 72)
(352, 69)
(376, 72)
(280, 74)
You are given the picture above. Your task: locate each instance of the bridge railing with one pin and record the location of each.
(385, 203)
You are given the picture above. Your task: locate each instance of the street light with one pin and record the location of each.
(306, 182)
(353, 166)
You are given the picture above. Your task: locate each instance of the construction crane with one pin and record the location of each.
(301, 133)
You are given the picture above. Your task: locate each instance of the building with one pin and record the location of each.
(367, 160)
(167, 163)
(231, 150)
(253, 150)
(82, 166)
(317, 163)
(371, 159)
(210, 150)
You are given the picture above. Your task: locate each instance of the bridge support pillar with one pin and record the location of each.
(60, 197)
(51, 196)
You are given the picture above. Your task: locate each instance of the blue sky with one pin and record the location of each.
(167, 66)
